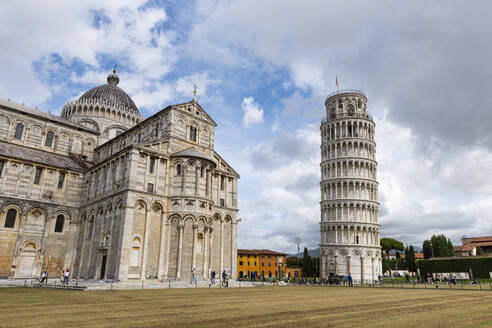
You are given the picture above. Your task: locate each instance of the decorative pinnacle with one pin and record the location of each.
(194, 92)
(113, 78)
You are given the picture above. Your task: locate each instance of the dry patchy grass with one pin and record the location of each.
(292, 306)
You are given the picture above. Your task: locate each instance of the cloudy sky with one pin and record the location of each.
(263, 70)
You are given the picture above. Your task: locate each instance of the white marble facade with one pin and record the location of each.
(109, 195)
(349, 227)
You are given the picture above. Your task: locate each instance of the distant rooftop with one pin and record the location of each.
(258, 252)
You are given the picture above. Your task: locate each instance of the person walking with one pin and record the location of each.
(212, 278)
(225, 283)
(66, 276)
(193, 277)
(44, 277)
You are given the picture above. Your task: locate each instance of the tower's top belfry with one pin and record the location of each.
(347, 102)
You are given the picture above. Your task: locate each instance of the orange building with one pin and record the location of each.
(293, 272)
(260, 263)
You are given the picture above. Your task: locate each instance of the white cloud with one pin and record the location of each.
(252, 112)
(67, 30)
(280, 198)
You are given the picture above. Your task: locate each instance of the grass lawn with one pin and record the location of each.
(290, 306)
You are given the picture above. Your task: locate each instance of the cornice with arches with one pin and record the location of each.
(372, 252)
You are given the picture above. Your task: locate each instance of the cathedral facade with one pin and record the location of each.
(349, 227)
(109, 195)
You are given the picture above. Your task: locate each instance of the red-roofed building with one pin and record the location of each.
(418, 256)
(470, 244)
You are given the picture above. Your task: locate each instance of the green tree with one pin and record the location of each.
(438, 246)
(314, 267)
(427, 249)
(450, 248)
(386, 263)
(441, 246)
(388, 244)
(405, 263)
(306, 263)
(292, 262)
(480, 251)
(412, 266)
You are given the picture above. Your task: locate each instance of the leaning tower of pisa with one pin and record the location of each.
(349, 225)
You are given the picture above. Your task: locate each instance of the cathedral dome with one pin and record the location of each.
(106, 109)
(111, 94)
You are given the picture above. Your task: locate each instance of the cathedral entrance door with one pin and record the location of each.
(27, 262)
(103, 267)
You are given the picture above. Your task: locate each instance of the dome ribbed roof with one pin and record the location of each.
(112, 94)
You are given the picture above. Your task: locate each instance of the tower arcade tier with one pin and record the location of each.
(349, 226)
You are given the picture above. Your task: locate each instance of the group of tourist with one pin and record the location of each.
(347, 280)
(65, 276)
(445, 279)
(225, 281)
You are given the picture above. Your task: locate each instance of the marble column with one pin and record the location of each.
(168, 246)
(145, 246)
(362, 277)
(205, 252)
(180, 250)
(221, 246)
(210, 248)
(348, 264)
(162, 248)
(193, 247)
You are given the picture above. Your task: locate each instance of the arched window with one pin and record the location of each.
(106, 240)
(60, 220)
(332, 112)
(357, 240)
(152, 165)
(178, 169)
(135, 254)
(359, 103)
(49, 139)
(10, 218)
(91, 225)
(18, 131)
(192, 133)
(351, 110)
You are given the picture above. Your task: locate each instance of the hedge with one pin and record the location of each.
(480, 266)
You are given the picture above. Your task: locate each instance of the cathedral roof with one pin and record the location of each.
(110, 93)
(10, 105)
(39, 156)
(192, 152)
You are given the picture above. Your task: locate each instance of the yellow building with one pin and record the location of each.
(258, 263)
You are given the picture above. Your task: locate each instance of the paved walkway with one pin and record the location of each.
(109, 285)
